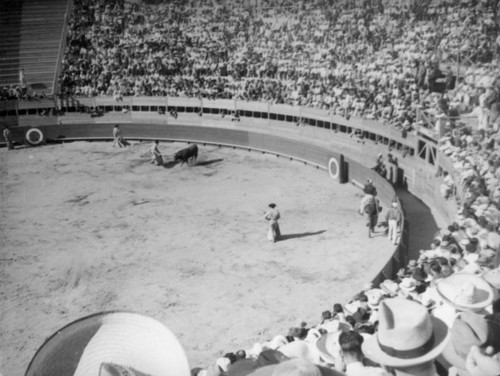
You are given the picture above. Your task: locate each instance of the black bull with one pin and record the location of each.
(191, 152)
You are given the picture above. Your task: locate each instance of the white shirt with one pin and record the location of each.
(358, 369)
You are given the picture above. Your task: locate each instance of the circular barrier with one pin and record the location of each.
(34, 136)
(333, 168)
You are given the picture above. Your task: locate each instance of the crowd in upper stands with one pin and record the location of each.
(377, 59)
(391, 61)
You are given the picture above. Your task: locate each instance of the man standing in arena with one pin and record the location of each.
(272, 215)
(117, 137)
(8, 139)
(370, 206)
(156, 156)
(393, 218)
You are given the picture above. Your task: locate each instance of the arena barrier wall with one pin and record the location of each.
(295, 149)
(417, 175)
(386, 193)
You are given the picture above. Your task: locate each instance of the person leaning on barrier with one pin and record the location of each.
(7, 137)
(393, 218)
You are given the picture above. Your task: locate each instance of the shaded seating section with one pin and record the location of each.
(31, 33)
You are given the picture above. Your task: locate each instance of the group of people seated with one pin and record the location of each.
(19, 93)
(372, 59)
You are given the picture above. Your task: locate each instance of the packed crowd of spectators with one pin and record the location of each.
(18, 93)
(374, 59)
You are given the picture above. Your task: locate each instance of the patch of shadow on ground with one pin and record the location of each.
(169, 164)
(79, 198)
(299, 235)
(102, 152)
(206, 163)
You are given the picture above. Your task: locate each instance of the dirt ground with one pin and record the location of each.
(86, 228)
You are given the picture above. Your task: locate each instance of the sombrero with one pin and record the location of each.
(466, 292)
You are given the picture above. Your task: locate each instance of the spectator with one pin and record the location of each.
(350, 349)
(408, 338)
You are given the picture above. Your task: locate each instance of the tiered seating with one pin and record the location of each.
(31, 32)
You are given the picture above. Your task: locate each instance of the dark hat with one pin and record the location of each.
(272, 205)
(419, 274)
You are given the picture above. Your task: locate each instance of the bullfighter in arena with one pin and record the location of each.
(117, 137)
(370, 206)
(272, 215)
(156, 156)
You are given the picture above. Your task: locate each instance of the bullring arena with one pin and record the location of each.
(186, 245)
(90, 231)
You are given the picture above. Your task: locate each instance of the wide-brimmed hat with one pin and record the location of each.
(470, 329)
(465, 292)
(120, 340)
(328, 346)
(389, 287)
(493, 278)
(374, 297)
(407, 335)
(472, 232)
(408, 284)
(301, 349)
(464, 243)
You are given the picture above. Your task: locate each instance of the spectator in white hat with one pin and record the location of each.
(393, 218)
(408, 338)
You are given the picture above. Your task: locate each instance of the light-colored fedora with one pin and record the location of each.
(466, 292)
(108, 341)
(407, 335)
(470, 329)
(328, 347)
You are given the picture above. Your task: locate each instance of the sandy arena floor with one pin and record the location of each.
(86, 228)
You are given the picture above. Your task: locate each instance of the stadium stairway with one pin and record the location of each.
(30, 39)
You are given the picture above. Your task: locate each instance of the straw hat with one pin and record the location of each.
(407, 335)
(470, 329)
(302, 350)
(122, 339)
(390, 287)
(465, 292)
(328, 346)
(374, 297)
(493, 278)
(408, 284)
